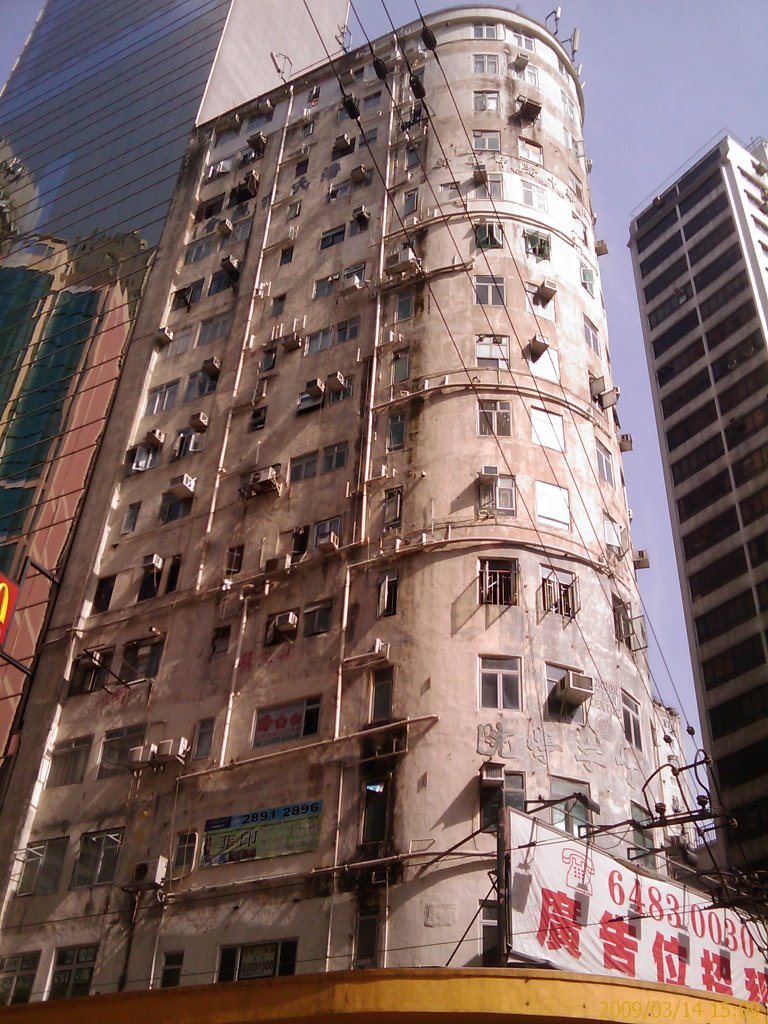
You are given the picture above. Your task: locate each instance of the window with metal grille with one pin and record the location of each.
(498, 579)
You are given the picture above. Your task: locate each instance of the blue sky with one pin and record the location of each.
(664, 79)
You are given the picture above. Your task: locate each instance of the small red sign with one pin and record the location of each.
(9, 593)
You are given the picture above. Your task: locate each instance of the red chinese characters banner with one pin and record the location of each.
(582, 910)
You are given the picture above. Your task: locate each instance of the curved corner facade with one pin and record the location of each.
(357, 544)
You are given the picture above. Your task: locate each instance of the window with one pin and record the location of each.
(149, 585)
(188, 442)
(404, 304)
(103, 594)
(372, 101)
(485, 64)
(559, 592)
(538, 245)
(490, 800)
(210, 207)
(287, 722)
(199, 384)
(90, 672)
(141, 659)
(587, 279)
(393, 507)
(622, 621)
(375, 800)
(497, 581)
(541, 308)
(241, 230)
(493, 188)
(239, 963)
(552, 506)
(412, 158)
(484, 30)
(278, 305)
(162, 398)
(489, 235)
(325, 527)
(529, 74)
(369, 137)
(220, 281)
(410, 201)
(185, 850)
(500, 684)
(172, 964)
(524, 42)
(494, 418)
(200, 249)
(568, 140)
(569, 108)
(286, 255)
(203, 738)
(258, 419)
(173, 508)
(220, 642)
(333, 236)
(185, 298)
(130, 517)
(268, 360)
(547, 429)
(339, 396)
(354, 274)
(366, 941)
(72, 972)
(498, 496)
(641, 840)
(387, 586)
(489, 934)
(604, 463)
(530, 151)
(17, 977)
(449, 190)
(492, 351)
(631, 713)
(486, 142)
(381, 695)
(142, 458)
(233, 561)
(96, 862)
(489, 290)
(400, 366)
(534, 196)
(335, 456)
(317, 617)
(172, 576)
(213, 330)
(42, 866)
(572, 815)
(294, 209)
(115, 749)
(591, 336)
(614, 536)
(396, 433)
(577, 188)
(486, 101)
(303, 467)
(346, 330)
(302, 166)
(326, 286)
(68, 762)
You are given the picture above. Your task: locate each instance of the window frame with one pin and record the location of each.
(106, 844)
(47, 858)
(498, 582)
(507, 671)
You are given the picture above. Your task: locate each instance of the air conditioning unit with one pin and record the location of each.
(630, 514)
(492, 775)
(335, 382)
(147, 875)
(172, 750)
(328, 543)
(224, 227)
(640, 559)
(537, 346)
(609, 398)
(265, 107)
(480, 174)
(351, 286)
(761, 170)
(164, 336)
(199, 421)
(154, 438)
(398, 262)
(153, 562)
(361, 215)
(574, 688)
(141, 757)
(411, 221)
(530, 108)
(307, 114)
(211, 367)
(285, 622)
(546, 290)
(278, 564)
(231, 268)
(315, 387)
(625, 442)
(183, 486)
(521, 61)
(291, 341)
(596, 386)
(359, 174)
(257, 142)
(263, 480)
(489, 473)
(346, 76)
(589, 164)
(601, 247)
(342, 141)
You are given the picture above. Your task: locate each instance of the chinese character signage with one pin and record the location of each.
(9, 593)
(578, 908)
(271, 832)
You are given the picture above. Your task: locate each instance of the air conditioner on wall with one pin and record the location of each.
(285, 622)
(575, 688)
(171, 750)
(183, 486)
(141, 757)
(153, 562)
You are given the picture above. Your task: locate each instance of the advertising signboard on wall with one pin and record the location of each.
(269, 832)
(577, 907)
